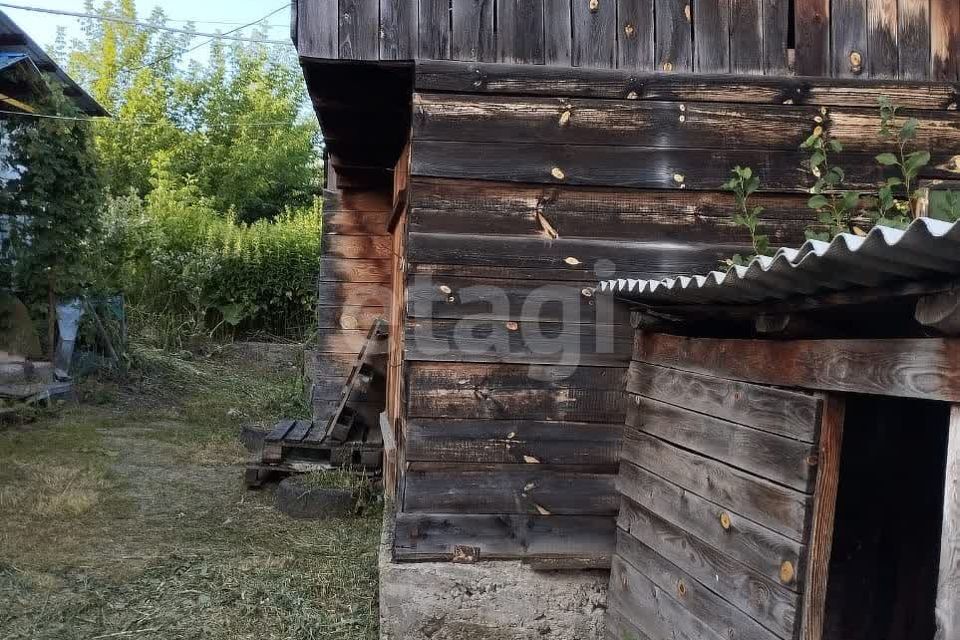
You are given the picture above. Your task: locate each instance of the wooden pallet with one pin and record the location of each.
(351, 439)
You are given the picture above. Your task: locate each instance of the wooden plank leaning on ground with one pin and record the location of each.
(948, 595)
(914, 368)
(628, 84)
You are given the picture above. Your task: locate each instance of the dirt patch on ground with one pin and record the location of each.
(129, 520)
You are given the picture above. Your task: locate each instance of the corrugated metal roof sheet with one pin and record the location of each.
(927, 249)
(8, 59)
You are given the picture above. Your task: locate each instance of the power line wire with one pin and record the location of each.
(144, 123)
(202, 44)
(148, 25)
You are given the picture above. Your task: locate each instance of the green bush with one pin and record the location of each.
(196, 270)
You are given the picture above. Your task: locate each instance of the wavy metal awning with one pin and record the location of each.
(928, 249)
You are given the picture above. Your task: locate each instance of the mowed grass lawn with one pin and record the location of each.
(124, 516)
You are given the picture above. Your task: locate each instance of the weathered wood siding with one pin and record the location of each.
(909, 39)
(517, 205)
(726, 523)
(354, 288)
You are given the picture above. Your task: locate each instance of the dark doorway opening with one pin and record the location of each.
(886, 547)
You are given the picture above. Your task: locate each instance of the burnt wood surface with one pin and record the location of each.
(914, 368)
(731, 36)
(460, 77)
(433, 537)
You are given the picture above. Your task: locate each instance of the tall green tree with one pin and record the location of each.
(235, 125)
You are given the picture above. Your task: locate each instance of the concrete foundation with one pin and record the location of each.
(487, 600)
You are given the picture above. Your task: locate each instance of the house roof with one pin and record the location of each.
(16, 45)
(928, 249)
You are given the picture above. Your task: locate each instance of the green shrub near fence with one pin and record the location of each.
(178, 258)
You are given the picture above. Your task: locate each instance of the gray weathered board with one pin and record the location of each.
(845, 38)
(728, 496)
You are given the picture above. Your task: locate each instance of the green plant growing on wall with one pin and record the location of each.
(835, 207)
(892, 210)
(744, 184)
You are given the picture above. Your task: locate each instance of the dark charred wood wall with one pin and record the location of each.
(517, 205)
(908, 39)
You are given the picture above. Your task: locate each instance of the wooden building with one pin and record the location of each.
(791, 463)
(494, 159)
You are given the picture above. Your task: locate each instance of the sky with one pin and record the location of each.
(43, 27)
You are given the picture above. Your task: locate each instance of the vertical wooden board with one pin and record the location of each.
(711, 36)
(945, 40)
(848, 27)
(674, 35)
(317, 29)
(557, 32)
(594, 33)
(948, 589)
(434, 29)
(520, 31)
(746, 37)
(636, 41)
(914, 39)
(812, 28)
(359, 29)
(883, 58)
(820, 544)
(472, 38)
(776, 27)
(398, 29)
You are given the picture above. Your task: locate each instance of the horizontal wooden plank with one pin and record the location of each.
(516, 342)
(340, 341)
(355, 223)
(529, 491)
(348, 317)
(916, 368)
(354, 294)
(512, 441)
(708, 607)
(618, 627)
(565, 274)
(787, 413)
(667, 125)
(358, 200)
(782, 460)
(632, 167)
(501, 299)
(426, 537)
(561, 254)
(318, 364)
(775, 506)
(744, 540)
(439, 205)
(656, 612)
(472, 118)
(452, 376)
(354, 270)
(370, 247)
(458, 77)
(584, 405)
(771, 604)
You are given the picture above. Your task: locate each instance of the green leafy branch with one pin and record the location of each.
(893, 210)
(744, 184)
(834, 206)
